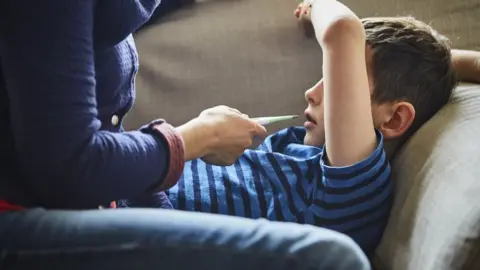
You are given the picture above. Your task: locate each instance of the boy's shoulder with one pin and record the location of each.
(289, 142)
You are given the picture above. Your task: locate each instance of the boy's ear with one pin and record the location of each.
(400, 118)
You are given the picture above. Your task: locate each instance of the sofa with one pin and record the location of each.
(252, 55)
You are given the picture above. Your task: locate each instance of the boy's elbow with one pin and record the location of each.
(343, 29)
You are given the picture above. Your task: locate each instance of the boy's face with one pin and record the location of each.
(314, 113)
(314, 116)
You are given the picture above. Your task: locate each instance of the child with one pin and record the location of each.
(383, 78)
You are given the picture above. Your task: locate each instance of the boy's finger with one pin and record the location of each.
(305, 13)
(297, 13)
(298, 10)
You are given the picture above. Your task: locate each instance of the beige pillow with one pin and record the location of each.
(435, 221)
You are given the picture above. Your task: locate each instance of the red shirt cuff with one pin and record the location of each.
(176, 160)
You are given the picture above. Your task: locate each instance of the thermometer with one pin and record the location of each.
(273, 119)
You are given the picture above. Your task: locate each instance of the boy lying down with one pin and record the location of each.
(383, 78)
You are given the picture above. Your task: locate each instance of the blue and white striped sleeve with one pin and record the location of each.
(353, 198)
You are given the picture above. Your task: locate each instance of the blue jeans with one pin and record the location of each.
(147, 239)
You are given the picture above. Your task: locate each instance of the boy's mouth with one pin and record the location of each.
(310, 121)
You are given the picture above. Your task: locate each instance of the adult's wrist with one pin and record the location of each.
(198, 137)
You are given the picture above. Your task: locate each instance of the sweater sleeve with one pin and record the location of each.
(46, 52)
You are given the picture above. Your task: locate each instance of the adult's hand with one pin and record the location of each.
(220, 135)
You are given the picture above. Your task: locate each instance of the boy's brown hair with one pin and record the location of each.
(410, 62)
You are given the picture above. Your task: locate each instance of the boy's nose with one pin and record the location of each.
(314, 95)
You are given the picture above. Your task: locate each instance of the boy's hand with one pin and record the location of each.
(302, 13)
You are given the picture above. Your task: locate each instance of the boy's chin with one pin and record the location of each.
(313, 139)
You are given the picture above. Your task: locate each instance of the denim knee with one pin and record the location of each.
(331, 250)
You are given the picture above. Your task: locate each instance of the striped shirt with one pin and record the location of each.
(285, 180)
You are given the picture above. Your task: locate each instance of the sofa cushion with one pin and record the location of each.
(435, 221)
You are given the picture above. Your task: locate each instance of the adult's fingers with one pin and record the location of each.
(257, 140)
(234, 110)
(260, 132)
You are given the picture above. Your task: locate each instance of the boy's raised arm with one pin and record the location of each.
(349, 132)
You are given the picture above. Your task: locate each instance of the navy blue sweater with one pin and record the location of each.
(67, 74)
